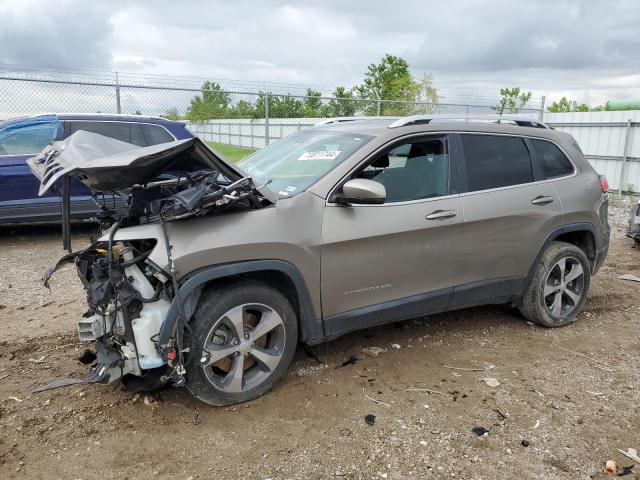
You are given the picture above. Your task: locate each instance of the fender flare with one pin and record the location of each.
(555, 233)
(311, 328)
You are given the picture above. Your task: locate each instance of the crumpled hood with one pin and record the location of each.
(106, 165)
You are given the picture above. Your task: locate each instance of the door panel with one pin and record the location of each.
(503, 230)
(375, 254)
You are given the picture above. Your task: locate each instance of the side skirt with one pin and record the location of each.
(489, 292)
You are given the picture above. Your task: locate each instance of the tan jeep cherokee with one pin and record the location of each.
(215, 272)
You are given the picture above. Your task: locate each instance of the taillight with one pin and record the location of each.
(604, 184)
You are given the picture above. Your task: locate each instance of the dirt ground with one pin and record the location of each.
(568, 398)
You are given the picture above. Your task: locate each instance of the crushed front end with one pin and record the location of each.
(129, 273)
(128, 298)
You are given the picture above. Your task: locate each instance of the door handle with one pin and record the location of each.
(441, 214)
(542, 200)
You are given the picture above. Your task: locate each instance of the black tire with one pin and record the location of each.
(216, 303)
(534, 306)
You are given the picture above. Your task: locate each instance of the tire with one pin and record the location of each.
(539, 303)
(237, 368)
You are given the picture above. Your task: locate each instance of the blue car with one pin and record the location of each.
(23, 138)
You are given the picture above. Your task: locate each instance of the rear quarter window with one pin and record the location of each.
(554, 162)
(494, 161)
(156, 134)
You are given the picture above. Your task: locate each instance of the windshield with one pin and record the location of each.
(297, 161)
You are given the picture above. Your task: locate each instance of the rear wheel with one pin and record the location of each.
(243, 339)
(558, 288)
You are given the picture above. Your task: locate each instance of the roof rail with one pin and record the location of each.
(426, 119)
(349, 119)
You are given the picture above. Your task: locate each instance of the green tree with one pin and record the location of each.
(343, 104)
(388, 80)
(213, 103)
(172, 114)
(280, 106)
(390, 85)
(566, 105)
(427, 96)
(512, 100)
(312, 104)
(244, 109)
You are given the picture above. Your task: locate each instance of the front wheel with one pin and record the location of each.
(243, 338)
(558, 287)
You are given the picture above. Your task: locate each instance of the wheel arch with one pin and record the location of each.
(582, 235)
(278, 273)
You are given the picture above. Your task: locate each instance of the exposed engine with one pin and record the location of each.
(129, 296)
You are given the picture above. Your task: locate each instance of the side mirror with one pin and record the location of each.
(362, 191)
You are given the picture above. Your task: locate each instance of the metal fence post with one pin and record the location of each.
(625, 153)
(118, 109)
(266, 119)
(542, 109)
(378, 107)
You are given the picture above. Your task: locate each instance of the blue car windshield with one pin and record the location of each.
(299, 160)
(29, 136)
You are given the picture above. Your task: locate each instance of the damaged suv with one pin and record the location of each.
(215, 272)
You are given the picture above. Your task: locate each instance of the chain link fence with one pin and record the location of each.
(244, 114)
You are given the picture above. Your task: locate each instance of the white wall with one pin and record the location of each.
(601, 136)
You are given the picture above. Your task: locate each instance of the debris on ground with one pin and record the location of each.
(525, 443)
(352, 360)
(631, 453)
(37, 360)
(626, 471)
(610, 468)
(630, 277)
(480, 431)
(370, 419)
(396, 346)
(60, 382)
(15, 399)
(87, 357)
(490, 381)
(373, 351)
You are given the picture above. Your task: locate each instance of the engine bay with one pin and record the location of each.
(128, 295)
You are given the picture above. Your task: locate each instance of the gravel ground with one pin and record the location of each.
(568, 398)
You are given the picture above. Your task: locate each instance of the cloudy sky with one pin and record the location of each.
(587, 50)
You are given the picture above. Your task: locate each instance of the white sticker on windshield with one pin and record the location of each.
(321, 155)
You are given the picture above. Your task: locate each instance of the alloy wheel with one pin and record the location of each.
(564, 287)
(243, 347)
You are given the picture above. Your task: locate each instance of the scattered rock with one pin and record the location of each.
(373, 351)
(480, 431)
(490, 381)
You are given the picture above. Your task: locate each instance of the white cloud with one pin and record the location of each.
(585, 50)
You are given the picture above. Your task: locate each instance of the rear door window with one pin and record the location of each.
(118, 130)
(494, 161)
(554, 162)
(156, 134)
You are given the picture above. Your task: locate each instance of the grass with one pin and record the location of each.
(231, 152)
